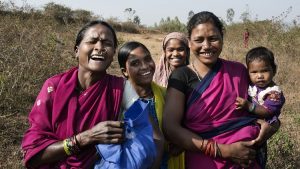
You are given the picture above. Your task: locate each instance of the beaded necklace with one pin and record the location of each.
(198, 76)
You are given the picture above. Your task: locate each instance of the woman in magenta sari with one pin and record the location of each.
(77, 109)
(200, 115)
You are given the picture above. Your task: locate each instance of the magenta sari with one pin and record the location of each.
(216, 107)
(60, 112)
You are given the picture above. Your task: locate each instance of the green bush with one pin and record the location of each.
(115, 23)
(35, 46)
(130, 27)
(171, 25)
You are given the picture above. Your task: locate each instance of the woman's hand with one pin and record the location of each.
(266, 131)
(107, 132)
(242, 153)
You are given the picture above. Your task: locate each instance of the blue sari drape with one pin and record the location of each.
(138, 151)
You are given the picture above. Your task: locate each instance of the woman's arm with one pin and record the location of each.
(108, 132)
(172, 118)
(240, 152)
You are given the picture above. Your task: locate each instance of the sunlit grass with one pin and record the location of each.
(34, 47)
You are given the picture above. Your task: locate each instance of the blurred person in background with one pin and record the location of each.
(246, 36)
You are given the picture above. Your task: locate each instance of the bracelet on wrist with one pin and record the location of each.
(252, 107)
(67, 151)
(211, 148)
(71, 146)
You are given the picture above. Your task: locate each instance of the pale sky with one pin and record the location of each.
(151, 11)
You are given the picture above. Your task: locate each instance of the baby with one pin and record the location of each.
(265, 97)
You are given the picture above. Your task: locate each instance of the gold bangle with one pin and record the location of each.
(66, 148)
(252, 108)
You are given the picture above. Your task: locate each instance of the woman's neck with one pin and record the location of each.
(88, 78)
(201, 68)
(171, 68)
(144, 91)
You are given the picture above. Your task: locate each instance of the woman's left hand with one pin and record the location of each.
(105, 132)
(242, 152)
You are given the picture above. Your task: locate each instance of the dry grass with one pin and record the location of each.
(284, 146)
(152, 41)
(33, 49)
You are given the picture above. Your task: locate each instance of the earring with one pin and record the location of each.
(123, 70)
(76, 53)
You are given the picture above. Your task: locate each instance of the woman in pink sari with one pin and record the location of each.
(77, 109)
(200, 114)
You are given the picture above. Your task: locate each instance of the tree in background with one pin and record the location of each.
(171, 25)
(132, 17)
(136, 20)
(130, 13)
(65, 15)
(82, 16)
(60, 13)
(191, 14)
(230, 15)
(246, 16)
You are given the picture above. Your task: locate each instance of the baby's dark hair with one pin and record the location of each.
(261, 53)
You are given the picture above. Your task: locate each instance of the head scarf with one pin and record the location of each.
(163, 69)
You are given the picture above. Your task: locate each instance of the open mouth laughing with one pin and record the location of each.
(146, 73)
(208, 54)
(97, 57)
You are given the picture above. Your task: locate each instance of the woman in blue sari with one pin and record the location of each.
(141, 109)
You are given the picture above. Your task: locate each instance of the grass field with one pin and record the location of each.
(34, 48)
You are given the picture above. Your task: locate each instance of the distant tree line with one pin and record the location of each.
(65, 15)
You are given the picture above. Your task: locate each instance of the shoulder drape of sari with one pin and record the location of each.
(159, 99)
(216, 107)
(138, 150)
(60, 112)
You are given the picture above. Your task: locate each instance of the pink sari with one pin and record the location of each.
(216, 107)
(60, 112)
